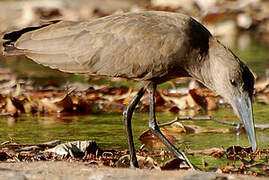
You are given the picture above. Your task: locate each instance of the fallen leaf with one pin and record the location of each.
(150, 140)
(75, 148)
(143, 162)
(110, 90)
(172, 164)
(64, 102)
(237, 150)
(183, 102)
(199, 129)
(57, 104)
(178, 127)
(174, 109)
(18, 103)
(159, 100)
(206, 102)
(210, 151)
(83, 105)
(4, 156)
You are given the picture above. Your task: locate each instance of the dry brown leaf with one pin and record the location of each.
(149, 139)
(93, 96)
(200, 100)
(183, 102)
(110, 90)
(160, 108)
(174, 109)
(211, 104)
(82, 105)
(143, 162)
(4, 156)
(159, 100)
(47, 105)
(18, 103)
(37, 94)
(121, 98)
(178, 127)
(64, 102)
(172, 164)
(57, 104)
(203, 100)
(210, 151)
(199, 129)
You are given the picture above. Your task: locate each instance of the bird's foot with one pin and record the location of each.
(133, 165)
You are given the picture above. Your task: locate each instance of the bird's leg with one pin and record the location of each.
(153, 126)
(127, 117)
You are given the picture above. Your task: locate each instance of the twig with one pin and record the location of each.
(7, 114)
(208, 118)
(262, 126)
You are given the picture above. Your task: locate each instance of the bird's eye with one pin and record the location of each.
(233, 81)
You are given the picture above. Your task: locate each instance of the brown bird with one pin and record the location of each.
(150, 47)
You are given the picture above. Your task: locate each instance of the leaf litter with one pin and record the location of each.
(239, 160)
(22, 97)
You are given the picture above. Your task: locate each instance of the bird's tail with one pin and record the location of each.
(8, 40)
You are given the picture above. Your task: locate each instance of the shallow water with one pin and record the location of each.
(108, 130)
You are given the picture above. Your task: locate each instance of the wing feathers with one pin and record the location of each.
(59, 61)
(130, 45)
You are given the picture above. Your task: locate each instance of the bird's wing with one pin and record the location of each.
(129, 45)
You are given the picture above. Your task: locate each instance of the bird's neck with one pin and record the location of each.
(201, 65)
(202, 73)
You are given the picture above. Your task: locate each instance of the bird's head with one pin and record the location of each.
(233, 80)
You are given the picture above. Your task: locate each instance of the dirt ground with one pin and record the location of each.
(73, 170)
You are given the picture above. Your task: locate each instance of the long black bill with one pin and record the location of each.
(243, 108)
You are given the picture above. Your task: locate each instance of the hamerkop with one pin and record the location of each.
(149, 47)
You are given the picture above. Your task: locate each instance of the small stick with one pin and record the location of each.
(262, 126)
(7, 114)
(209, 118)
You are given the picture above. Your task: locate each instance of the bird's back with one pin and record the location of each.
(141, 46)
